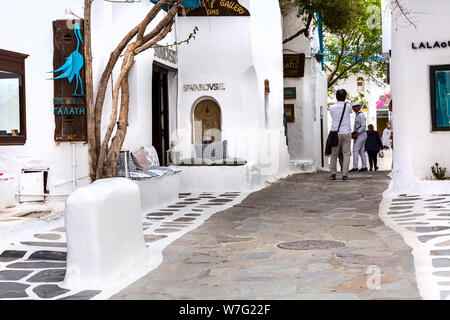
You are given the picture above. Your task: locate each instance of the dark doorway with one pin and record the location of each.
(160, 113)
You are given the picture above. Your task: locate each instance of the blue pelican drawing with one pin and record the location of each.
(74, 63)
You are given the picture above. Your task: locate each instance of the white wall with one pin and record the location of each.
(110, 22)
(304, 133)
(235, 51)
(416, 147)
(386, 26)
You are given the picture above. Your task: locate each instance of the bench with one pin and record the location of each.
(158, 185)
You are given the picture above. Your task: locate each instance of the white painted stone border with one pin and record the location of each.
(427, 283)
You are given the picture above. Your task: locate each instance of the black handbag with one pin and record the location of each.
(333, 138)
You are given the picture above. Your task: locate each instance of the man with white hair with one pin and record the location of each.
(360, 136)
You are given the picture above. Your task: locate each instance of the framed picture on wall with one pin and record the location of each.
(440, 97)
(290, 113)
(290, 93)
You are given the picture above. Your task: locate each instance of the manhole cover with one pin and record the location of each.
(311, 245)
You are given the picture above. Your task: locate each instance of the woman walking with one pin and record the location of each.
(373, 146)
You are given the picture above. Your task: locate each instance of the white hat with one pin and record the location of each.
(357, 103)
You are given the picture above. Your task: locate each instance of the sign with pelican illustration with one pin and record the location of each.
(69, 105)
(218, 8)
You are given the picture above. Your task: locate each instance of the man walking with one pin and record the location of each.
(340, 115)
(360, 136)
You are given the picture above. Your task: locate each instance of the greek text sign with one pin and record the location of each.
(218, 8)
(69, 104)
(204, 87)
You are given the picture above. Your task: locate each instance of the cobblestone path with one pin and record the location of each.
(424, 222)
(35, 267)
(236, 254)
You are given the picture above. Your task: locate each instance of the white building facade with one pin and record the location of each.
(420, 57)
(229, 64)
(308, 130)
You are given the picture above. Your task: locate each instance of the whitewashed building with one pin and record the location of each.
(235, 66)
(419, 53)
(308, 128)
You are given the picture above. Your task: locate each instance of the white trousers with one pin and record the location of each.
(359, 149)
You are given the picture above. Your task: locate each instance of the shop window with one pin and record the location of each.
(207, 122)
(440, 97)
(12, 98)
(360, 85)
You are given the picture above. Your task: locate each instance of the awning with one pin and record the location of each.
(186, 4)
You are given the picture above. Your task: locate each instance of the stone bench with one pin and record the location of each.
(158, 186)
(105, 242)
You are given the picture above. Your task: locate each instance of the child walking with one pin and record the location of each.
(373, 146)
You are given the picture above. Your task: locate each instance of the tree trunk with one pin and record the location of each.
(89, 90)
(126, 66)
(122, 127)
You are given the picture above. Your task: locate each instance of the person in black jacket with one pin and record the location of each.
(373, 146)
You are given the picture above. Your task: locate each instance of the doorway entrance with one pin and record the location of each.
(160, 113)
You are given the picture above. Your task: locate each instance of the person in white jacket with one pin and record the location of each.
(359, 130)
(386, 138)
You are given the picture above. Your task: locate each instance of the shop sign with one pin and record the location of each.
(289, 111)
(69, 103)
(430, 45)
(290, 93)
(294, 65)
(166, 54)
(204, 87)
(218, 8)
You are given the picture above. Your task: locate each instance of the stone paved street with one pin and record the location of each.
(34, 266)
(234, 254)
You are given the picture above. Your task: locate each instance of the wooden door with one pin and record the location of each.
(160, 114)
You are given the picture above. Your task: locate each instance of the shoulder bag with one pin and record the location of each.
(333, 138)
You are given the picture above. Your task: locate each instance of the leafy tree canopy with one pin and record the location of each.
(357, 50)
(352, 28)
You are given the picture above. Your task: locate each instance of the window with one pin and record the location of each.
(440, 97)
(207, 122)
(12, 98)
(360, 84)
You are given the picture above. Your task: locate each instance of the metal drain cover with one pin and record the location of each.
(311, 245)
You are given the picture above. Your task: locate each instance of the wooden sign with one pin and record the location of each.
(218, 8)
(294, 65)
(289, 110)
(290, 93)
(69, 103)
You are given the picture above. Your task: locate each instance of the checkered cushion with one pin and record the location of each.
(152, 157)
(166, 169)
(139, 175)
(216, 151)
(131, 166)
(199, 150)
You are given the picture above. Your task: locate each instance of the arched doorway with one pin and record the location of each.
(207, 126)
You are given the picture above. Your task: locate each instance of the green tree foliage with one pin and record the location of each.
(357, 50)
(337, 15)
(352, 35)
